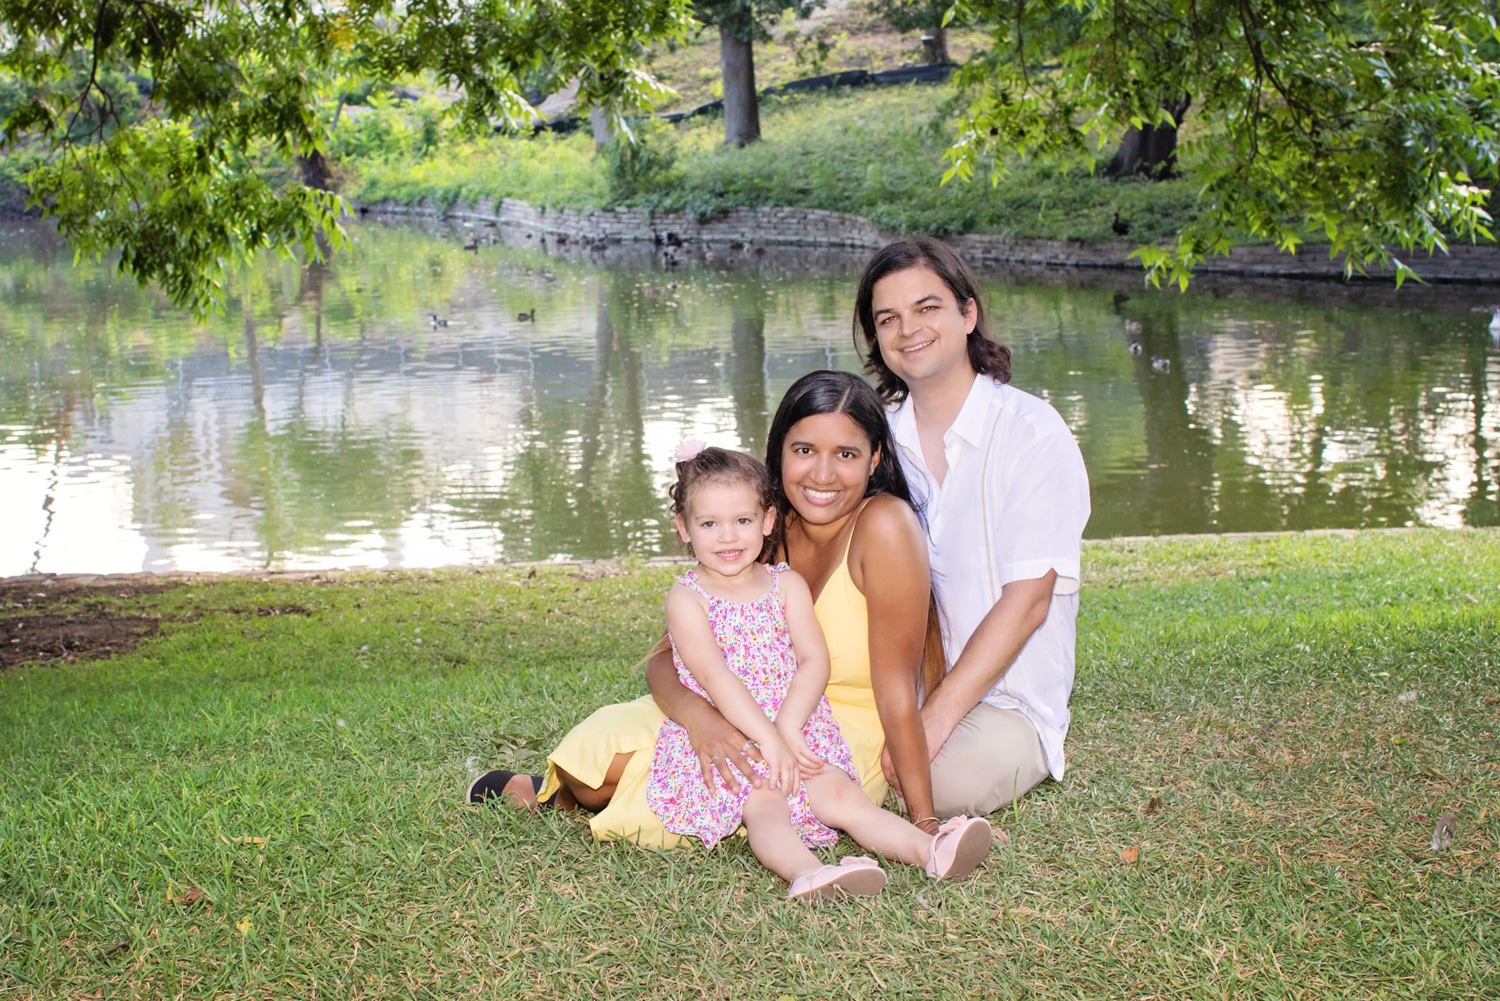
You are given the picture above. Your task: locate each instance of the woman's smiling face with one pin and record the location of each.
(826, 462)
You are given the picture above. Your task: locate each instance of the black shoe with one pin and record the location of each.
(491, 785)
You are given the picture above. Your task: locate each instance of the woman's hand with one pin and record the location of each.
(927, 824)
(781, 765)
(722, 749)
(808, 763)
(889, 768)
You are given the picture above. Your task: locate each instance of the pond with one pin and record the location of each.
(327, 420)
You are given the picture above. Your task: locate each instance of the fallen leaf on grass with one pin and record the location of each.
(189, 897)
(1154, 805)
(243, 926)
(1442, 834)
(242, 841)
(1130, 855)
(110, 950)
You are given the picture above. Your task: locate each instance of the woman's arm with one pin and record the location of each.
(1001, 634)
(719, 744)
(888, 563)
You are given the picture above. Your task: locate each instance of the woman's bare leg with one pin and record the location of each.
(575, 793)
(520, 789)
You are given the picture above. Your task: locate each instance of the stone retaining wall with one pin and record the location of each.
(793, 227)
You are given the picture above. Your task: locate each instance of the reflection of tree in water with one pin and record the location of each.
(301, 481)
(1175, 491)
(1374, 400)
(747, 372)
(1483, 506)
(1334, 423)
(579, 481)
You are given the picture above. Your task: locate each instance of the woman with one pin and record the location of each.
(1008, 499)
(846, 523)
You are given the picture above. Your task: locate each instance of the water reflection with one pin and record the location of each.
(328, 420)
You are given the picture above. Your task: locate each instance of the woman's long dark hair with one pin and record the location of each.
(827, 392)
(987, 355)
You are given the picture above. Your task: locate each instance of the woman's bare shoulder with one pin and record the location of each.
(887, 520)
(888, 538)
(889, 549)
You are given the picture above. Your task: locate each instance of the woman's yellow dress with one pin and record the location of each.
(587, 750)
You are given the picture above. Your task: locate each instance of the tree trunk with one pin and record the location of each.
(741, 105)
(599, 124)
(935, 43)
(315, 172)
(1151, 150)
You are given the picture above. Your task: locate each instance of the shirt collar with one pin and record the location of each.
(968, 425)
(903, 421)
(970, 422)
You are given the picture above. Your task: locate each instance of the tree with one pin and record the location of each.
(178, 189)
(1151, 147)
(1371, 124)
(930, 17)
(740, 24)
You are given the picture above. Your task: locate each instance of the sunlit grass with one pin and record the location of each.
(1268, 727)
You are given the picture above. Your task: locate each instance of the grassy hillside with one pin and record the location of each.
(874, 152)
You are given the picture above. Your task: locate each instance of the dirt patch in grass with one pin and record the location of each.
(63, 623)
(26, 639)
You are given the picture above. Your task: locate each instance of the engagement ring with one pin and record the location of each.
(716, 757)
(748, 744)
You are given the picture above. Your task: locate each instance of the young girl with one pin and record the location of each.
(744, 636)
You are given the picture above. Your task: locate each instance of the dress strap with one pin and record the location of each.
(853, 523)
(689, 580)
(775, 570)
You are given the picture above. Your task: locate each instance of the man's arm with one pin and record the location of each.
(990, 652)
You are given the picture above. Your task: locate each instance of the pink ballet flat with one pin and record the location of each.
(959, 846)
(854, 876)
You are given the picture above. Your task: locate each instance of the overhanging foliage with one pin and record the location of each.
(156, 163)
(1371, 124)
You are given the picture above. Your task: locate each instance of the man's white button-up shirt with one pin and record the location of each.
(1012, 506)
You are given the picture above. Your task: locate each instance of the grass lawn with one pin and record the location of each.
(262, 800)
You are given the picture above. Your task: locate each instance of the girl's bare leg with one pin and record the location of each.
(838, 802)
(769, 823)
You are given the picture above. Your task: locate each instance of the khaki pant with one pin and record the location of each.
(993, 758)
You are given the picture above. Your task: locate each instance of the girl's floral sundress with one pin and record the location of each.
(758, 650)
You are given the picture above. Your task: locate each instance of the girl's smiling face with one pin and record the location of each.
(826, 462)
(726, 525)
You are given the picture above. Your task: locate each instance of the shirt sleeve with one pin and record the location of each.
(1043, 504)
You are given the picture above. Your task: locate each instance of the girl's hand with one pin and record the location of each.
(808, 763)
(781, 766)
